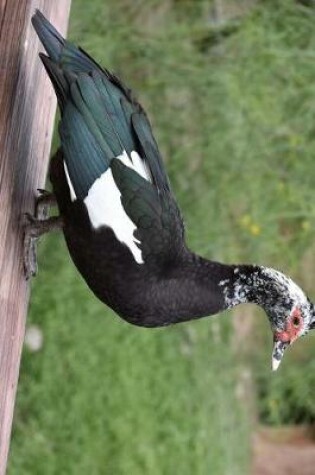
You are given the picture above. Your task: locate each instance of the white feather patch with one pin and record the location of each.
(73, 196)
(136, 163)
(104, 205)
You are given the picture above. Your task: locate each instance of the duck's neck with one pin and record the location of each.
(198, 287)
(222, 286)
(201, 288)
(253, 284)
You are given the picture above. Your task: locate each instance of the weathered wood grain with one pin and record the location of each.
(27, 109)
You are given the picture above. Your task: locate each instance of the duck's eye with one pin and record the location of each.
(296, 321)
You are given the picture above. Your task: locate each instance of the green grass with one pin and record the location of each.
(236, 125)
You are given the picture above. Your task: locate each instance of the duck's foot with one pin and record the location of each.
(35, 228)
(43, 203)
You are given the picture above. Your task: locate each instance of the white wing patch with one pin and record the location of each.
(136, 163)
(104, 205)
(73, 196)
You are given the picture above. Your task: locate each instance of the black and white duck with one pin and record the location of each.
(121, 222)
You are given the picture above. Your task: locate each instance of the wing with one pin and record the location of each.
(112, 160)
(159, 226)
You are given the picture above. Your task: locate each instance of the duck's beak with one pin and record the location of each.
(277, 353)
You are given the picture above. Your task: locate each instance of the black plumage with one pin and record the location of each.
(166, 283)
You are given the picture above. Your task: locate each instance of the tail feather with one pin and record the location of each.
(59, 50)
(58, 79)
(52, 41)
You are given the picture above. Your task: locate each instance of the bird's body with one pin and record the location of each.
(146, 294)
(120, 219)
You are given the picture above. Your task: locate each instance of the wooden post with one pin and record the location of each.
(27, 109)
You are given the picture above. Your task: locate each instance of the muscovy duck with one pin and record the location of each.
(121, 222)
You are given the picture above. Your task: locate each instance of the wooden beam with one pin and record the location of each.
(27, 109)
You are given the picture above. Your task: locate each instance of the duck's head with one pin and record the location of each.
(290, 312)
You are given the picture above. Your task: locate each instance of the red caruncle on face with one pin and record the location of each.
(293, 326)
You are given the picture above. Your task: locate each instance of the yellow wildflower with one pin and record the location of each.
(255, 229)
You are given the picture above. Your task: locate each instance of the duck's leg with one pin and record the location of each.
(35, 227)
(43, 203)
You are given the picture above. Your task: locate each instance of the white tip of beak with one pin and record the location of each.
(275, 364)
(277, 353)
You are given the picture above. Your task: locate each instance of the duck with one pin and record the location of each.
(120, 219)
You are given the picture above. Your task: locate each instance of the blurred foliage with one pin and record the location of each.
(233, 109)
